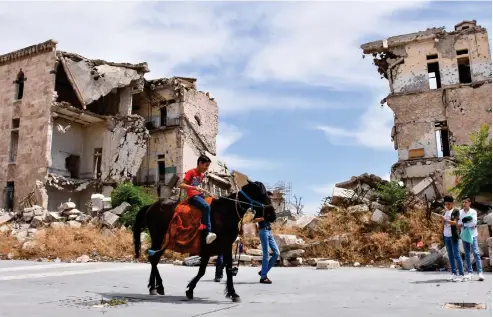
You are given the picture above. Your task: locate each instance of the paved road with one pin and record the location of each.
(48, 289)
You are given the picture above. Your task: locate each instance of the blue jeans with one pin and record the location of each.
(475, 249)
(267, 240)
(453, 253)
(200, 203)
(219, 266)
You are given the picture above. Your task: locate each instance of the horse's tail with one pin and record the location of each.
(139, 224)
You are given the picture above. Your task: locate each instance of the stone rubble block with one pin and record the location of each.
(68, 205)
(110, 219)
(292, 254)
(328, 264)
(120, 210)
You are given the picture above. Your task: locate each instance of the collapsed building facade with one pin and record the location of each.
(74, 126)
(440, 92)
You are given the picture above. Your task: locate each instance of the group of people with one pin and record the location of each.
(196, 197)
(461, 225)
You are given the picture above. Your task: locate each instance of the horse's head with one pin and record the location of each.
(260, 200)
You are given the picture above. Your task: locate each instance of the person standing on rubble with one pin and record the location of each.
(451, 239)
(468, 220)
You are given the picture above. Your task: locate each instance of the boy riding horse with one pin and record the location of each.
(191, 183)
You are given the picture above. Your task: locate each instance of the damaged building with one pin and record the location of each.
(440, 92)
(76, 126)
(183, 124)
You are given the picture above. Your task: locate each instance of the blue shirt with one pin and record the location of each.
(264, 225)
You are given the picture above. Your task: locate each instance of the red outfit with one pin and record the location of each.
(193, 178)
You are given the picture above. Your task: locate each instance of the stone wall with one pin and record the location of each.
(464, 108)
(33, 110)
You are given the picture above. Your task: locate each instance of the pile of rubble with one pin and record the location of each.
(437, 258)
(359, 194)
(291, 248)
(23, 225)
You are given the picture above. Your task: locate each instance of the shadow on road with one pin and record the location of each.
(430, 281)
(136, 298)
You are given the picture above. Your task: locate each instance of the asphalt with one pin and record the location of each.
(73, 290)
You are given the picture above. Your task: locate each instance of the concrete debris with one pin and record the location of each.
(126, 145)
(68, 206)
(289, 255)
(97, 202)
(359, 208)
(83, 259)
(99, 79)
(359, 190)
(5, 219)
(71, 212)
(38, 221)
(287, 242)
(192, 261)
(408, 263)
(120, 210)
(74, 224)
(340, 196)
(420, 254)
(328, 264)
(55, 217)
(356, 264)
(57, 225)
(379, 217)
(28, 215)
(110, 219)
(246, 258)
(67, 184)
(106, 203)
(254, 252)
(296, 262)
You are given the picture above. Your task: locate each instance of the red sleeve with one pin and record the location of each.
(188, 176)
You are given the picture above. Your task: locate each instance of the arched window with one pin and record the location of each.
(19, 92)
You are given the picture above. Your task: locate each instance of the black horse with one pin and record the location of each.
(226, 213)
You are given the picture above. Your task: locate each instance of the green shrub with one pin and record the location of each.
(136, 196)
(393, 195)
(474, 165)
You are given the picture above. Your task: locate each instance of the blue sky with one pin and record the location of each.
(297, 101)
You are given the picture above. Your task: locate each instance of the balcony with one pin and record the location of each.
(156, 124)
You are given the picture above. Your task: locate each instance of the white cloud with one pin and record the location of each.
(386, 177)
(229, 135)
(372, 131)
(318, 43)
(232, 101)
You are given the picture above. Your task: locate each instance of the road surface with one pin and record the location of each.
(75, 290)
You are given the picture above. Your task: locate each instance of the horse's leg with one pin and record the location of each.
(152, 278)
(204, 260)
(159, 281)
(156, 283)
(230, 290)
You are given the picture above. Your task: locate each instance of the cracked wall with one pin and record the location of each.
(411, 75)
(33, 153)
(124, 147)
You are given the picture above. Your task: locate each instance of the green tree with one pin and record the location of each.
(473, 164)
(394, 195)
(136, 196)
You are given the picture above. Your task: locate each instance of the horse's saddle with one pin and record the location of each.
(183, 235)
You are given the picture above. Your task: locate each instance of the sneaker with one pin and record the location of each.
(265, 280)
(210, 238)
(451, 277)
(468, 277)
(481, 277)
(217, 279)
(458, 278)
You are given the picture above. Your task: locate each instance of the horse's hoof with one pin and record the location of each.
(189, 294)
(160, 290)
(236, 298)
(153, 291)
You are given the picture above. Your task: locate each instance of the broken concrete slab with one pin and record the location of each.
(92, 81)
(57, 225)
(192, 261)
(38, 221)
(341, 196)
(376, 205)
(68, 205)
(106, 203)
(83, 259)
(292, 254)
(110, 219)
(28, 216)
(419, 254)
(408, 263)
(120, 210)
(246, 258)
(74, 224)
(97, 202)
(71, 212)
(328, 264)
(287, 242)
(54, 216)
(359, 208)
(379, 217)
(254, 252)
(5, 218)
(422, 186)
